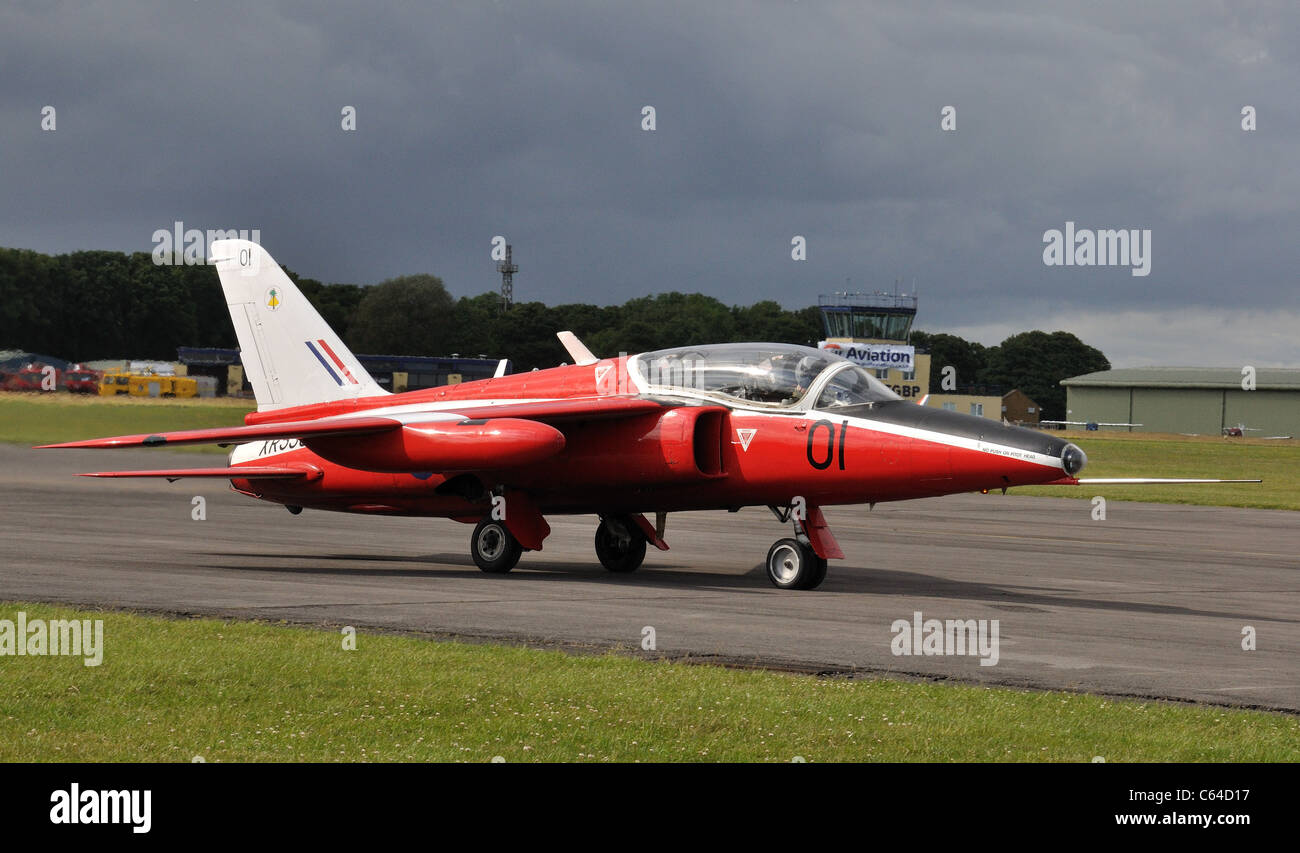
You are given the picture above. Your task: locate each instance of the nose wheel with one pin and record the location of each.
(800, 563)
(620, 544)
(792, 564)
(493, 547)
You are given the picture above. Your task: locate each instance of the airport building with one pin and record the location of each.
(395, 373)
(1200, 400)
(874, 330)
(1021, 409)
(972, 400)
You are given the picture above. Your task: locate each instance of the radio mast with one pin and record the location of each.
(507, 268)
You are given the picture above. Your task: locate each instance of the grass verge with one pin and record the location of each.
(31, 418)
(173, 689)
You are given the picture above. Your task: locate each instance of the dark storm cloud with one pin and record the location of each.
(774, 119)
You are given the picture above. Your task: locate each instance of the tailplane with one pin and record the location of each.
(291, 356)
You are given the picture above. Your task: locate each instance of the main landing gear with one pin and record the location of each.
(800, 562)
(620, 543)
(494, 548)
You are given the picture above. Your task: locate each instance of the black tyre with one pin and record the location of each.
(819, 572)
(793, 565)
(620, 544)
(493, 547)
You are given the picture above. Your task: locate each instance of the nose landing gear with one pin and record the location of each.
(800, 562)
(792, 564)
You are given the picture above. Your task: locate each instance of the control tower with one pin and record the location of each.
(873, 329)
(867, 317)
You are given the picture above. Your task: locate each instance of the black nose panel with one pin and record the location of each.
(961, 425)
(1074, 459)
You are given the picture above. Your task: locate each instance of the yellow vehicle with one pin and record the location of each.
(114, 382)
(119, 381)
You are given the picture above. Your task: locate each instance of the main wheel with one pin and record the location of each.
(493, 547)
(793, 565)
(620, 544)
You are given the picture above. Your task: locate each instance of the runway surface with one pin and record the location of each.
(1150, 602)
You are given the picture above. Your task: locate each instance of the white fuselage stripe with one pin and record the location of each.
(932, 436)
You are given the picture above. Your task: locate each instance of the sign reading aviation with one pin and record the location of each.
(874, 356)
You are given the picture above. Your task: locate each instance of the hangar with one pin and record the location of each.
(1201, 400)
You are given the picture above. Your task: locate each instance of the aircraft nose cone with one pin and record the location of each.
(1073, 459)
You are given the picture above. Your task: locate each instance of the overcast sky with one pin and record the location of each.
(809, 118)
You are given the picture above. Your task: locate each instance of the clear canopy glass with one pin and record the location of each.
(763, 374)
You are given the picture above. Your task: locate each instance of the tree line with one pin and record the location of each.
(1035, 362)
(99, 304)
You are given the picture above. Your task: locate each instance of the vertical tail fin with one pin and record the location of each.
(291, 356)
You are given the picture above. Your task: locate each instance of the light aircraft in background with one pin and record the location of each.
(1240, 430)
(1090, 426)
(708, 427)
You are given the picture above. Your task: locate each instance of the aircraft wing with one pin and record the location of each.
(454, 437)
(569, 409)
(543, 410)
(241, 434)
(249, 472)
(1085, 423)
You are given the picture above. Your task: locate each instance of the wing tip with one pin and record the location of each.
(92, 443)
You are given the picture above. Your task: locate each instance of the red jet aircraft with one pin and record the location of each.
(693, 428)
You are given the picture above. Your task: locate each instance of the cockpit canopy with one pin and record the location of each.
(772, 375)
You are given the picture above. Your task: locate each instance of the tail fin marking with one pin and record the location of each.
(290, 354)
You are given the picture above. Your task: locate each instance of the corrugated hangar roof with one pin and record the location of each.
(1266, 378)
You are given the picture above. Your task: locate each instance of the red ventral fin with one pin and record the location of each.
(651, 534)
(524, 520)
(820, 536)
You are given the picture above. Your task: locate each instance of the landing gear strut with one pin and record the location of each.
(620, 544)
(493, 547)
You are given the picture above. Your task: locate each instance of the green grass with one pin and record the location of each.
(1136, 455)
(173, 689)
(30, 418)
